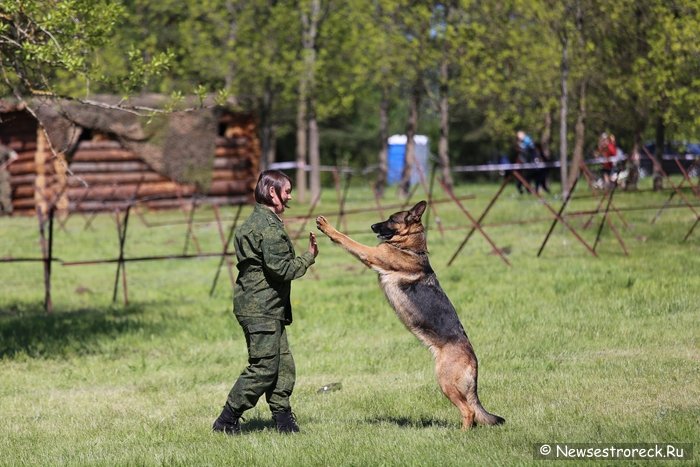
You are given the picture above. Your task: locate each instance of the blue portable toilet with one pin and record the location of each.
(396, 158)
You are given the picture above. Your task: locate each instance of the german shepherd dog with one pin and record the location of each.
(412, 289)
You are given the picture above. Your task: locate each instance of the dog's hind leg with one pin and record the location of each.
(456, 371)
(460, 369)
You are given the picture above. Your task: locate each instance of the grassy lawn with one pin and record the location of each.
(572, 348)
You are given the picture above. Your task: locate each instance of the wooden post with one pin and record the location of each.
(481, 218)
(529, 188)
(341, 204)
(46, 254)
(121, 265)
(690, 232)
(558, 216)
(431, 207)
(225, 251)
(474, 222)
(60, 185)
(225, 241)
(605, 216)
(307, 217)
(379, 204)
(40, 193)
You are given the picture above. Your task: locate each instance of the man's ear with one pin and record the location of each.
(417, 211)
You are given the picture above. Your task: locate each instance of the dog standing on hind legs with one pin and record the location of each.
(410, 285)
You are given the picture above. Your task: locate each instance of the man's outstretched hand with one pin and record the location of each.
(313, 246)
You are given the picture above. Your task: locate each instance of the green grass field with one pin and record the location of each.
(571, 348)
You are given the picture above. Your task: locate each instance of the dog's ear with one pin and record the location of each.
(417, 211)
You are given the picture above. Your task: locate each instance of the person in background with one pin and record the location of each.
(539, 175)
(525, 153)
(607, 149)
(267, 264)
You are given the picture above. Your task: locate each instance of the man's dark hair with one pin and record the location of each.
(269, 178)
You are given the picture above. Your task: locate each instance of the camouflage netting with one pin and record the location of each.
(179, 145)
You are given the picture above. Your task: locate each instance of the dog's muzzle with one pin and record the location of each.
(383, 231)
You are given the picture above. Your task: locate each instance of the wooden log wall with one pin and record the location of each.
(18, 131)
(103, 175)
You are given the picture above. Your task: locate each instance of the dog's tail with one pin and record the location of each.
(483, 417)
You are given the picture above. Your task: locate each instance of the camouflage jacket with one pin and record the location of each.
(266, 266)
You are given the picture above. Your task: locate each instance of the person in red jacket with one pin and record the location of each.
(607, 148)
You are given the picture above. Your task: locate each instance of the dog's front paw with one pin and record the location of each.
(323, 225)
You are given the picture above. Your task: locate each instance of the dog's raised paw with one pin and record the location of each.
(321, 223)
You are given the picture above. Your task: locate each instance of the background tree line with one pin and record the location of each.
(330, 80)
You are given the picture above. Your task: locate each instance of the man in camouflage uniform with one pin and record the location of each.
(266, 266)
(7, 156)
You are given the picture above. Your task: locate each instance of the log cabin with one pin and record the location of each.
(85, 158)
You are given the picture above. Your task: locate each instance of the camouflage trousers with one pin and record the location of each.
(270, 369)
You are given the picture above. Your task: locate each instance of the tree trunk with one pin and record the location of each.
(301, 143)
(270, 151)
(267, 130)
(563, 114)
(580, 128)
(580, 131)
(546, 136)
(309, 20)
(380, 184)
(314, 155)
(443, 143)
(411, 126)
(314, 138)
(633, 163)
(233, 13)
(657, 178)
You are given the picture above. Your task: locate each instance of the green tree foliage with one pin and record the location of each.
(486, 67)
(264, 59)
(49, 47)
(510, 67)
(652, 59)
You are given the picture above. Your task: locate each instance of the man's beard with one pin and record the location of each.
(284, 203)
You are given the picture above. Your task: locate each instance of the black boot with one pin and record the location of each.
(286, 422)
(228, 422)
